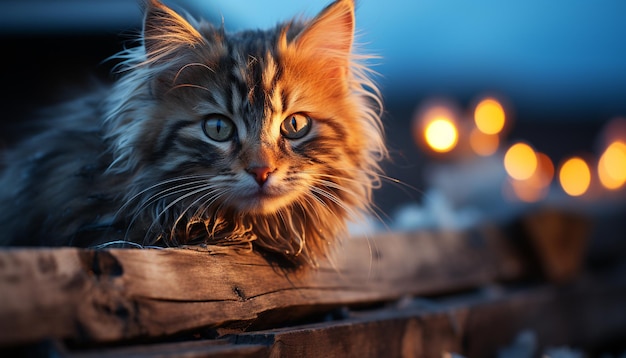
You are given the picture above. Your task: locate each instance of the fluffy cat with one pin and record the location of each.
(267, 139)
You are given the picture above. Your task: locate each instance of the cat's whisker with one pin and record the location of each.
(310, 205)
(391, 180)
(158, 199)
(332, 198)
(118, 243)
(126, 205)
(216, 218)
(199, 208)
(318, 200)
(332, 185)
(352, 213)
(177, 189)
(402, 185)
(201, 214)
(212, 197)
(161, 212)
(154, 186)
(373, 209)
(180, 188)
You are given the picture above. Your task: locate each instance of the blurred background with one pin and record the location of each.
(492, 107)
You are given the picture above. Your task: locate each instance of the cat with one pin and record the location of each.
(263, 139)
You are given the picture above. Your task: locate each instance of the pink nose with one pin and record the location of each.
(260, 174)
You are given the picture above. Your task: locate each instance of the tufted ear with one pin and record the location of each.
(330, 34)
(165, 32)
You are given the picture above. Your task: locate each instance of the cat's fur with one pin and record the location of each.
(132, 162)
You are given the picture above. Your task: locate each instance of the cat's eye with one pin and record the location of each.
(295, 126)
(218, 128)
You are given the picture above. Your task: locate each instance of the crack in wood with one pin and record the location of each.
(239, 292)
(242, 297)
(183, 300)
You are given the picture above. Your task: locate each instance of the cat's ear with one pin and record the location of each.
(165, 32)
(330, 34)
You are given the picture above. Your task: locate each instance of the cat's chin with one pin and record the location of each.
(263, 203)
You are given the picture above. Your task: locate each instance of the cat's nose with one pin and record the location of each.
(260, 174)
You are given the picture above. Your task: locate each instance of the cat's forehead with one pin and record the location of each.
(259, 41)
(252, 82)
(251, 78)
(251, 42)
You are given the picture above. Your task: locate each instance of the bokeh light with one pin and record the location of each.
(441, 134)
(575, 176)
(489, 116)
(612, 166)
(435, 126)
(537, 186)
(483, 144)
(527, 191)
(520, 161)
(545, 170)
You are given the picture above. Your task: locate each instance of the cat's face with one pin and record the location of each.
(265, 115)
(259, 157)
(275, 127)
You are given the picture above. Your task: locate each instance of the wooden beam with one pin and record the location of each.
(474, 325)
(586, 315)
(121, 294)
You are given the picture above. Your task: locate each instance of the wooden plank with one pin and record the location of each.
(191, 349)
(585, 315)
(218, 348)
(118, 294)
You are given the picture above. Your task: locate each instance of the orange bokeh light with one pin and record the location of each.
(527, 190)
(441, 134)
(520, 161)
(575, 176)
(483, 144)
(545, 170)
(536, 187)
(612, 166)
(489, 116)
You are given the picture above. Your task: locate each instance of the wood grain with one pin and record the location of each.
(478, 324)
(121, 294)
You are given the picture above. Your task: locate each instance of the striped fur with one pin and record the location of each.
(132, 162)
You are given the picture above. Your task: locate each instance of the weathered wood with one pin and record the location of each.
(191, 349)
(112, 295)
(584, 315)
